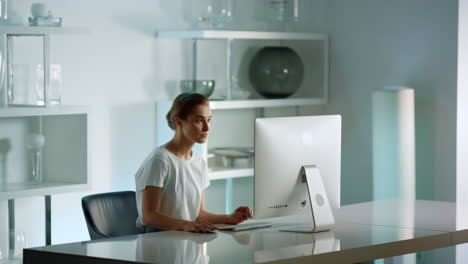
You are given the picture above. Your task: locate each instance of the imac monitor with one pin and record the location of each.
(284, 147)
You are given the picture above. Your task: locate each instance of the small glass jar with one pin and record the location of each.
(278, 14)
(284, 10)
(54, 95)
(215, 14)
(54, 91)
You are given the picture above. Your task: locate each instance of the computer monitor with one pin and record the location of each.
(282, 147)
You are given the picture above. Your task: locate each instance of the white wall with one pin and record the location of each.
(462, 105)
(410, 43)
(120, 69)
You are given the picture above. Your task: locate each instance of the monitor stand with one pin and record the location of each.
(322, 215)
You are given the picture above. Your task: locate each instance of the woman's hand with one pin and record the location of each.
(240, 215)
(199, 226)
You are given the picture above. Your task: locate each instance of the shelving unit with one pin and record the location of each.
(7, 35)
(21, 190)
(30, 30)
(42, 111)
(227, 173)
(313, 91)
(245, 104)
(65, 155)
(256, 103)
(65, 150)
(65, 129)
(231, 34)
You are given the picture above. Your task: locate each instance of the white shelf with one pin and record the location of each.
(225, 173)
(25, 30)
(259, 103)
(227, 34)
(64, 128)
(13, 111)
(20, 190)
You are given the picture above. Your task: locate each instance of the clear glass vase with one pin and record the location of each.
(278, 14)
(35, 143)
(53, 92)
(36, 168)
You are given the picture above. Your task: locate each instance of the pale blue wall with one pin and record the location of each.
(411, 43)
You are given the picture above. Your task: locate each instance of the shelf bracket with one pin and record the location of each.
(11, 227)
(46, 67)
(48, 220)
(228, 69)
(3, 72)
(194, 58)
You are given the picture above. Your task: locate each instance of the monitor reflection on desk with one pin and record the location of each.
(187, 248)
(323, 242)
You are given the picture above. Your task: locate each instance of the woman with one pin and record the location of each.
(171, 181)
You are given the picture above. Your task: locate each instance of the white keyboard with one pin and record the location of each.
(245, 226)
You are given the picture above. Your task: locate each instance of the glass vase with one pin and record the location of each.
(36, 168)
(35, 143)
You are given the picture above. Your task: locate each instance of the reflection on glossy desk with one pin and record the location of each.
(449, 255)
(415, 214)
(347, 243)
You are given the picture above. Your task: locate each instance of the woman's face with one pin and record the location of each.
(197, 125)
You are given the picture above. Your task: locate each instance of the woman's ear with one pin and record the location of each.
(177, 122)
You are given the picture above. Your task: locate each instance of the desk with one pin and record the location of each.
(358, 236)
(416, 214)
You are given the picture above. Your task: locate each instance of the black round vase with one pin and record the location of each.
(276, 72)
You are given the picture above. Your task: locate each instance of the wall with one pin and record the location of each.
(120, 69)
(409, 43)
(462, 123)
(462, 106)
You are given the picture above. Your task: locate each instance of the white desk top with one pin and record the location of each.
(353, 239)
(419, 214)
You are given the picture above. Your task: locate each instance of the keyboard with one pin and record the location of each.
(245, 226)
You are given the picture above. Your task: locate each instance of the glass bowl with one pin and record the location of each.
(204, 87)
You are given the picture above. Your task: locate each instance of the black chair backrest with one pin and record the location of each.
(110, 214)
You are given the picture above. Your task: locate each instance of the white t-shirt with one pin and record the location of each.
(183, 182)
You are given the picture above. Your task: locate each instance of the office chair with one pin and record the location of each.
(110, 214)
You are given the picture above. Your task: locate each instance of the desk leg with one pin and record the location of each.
(11, 228)
(48, 227)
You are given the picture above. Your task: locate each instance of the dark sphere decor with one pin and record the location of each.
(276, 72)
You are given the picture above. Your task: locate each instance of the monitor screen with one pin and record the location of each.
(282, 146)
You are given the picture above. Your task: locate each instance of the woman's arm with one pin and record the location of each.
(241, 214)
(152, 216)
(209, 217)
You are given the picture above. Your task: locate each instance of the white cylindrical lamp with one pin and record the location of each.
(393, 138)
